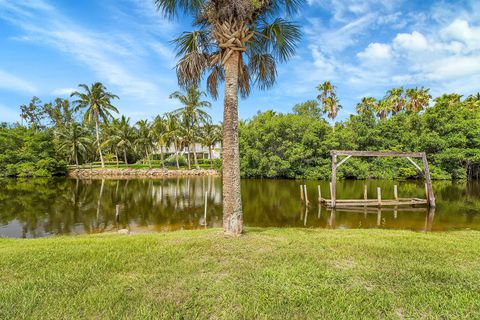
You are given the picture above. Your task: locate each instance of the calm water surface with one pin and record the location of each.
(44, 207)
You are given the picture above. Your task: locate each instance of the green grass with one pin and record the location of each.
(267, 273)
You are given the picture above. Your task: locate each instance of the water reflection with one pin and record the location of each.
(42, 207)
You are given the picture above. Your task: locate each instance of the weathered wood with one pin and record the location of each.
(306, 194)
(377, 153)
(365, 192)
(342, 161)
(415, 164)
(379, 196)
(395, 192)
(383, 203)
(319, 194)
(431, 197)
(301, 193)
(379, 217)
(334, 179)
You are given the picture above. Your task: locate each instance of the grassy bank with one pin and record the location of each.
(268, 273)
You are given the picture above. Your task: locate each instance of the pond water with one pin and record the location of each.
(44, 207)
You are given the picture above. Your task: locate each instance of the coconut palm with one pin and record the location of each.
(192, 114)
(237, 42)
(112, 137)
(160, 135)
(210, 134)
(418, 99)
(366, 106)
(74, 139)
(97, 102)
(126, 136)
(144, 139)
(173, 133)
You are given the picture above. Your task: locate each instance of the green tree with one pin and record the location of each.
(330, 102)
(238, 42)
(126, 136)
(366, 106)
(209, 136)
(192, 114)
(144, 139)
(308, 108)
(73, 139)
(98, 104)
(418, 99)
(396, 99)
(33, 113)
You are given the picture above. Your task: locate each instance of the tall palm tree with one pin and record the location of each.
(418, 99)
(210, 134)
(237, 42)
(112, 137)
(366, 106)
(74, 139)
(97, 100)
(383, 108)
(192, 114)
(144, 139)
(330, 102)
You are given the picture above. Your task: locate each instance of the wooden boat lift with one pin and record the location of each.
(334, 202)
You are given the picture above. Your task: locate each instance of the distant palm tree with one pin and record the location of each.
(126, 136)
(397, 99)
(210, 134)
(330, 102)
(383, 108)
(418, 99)
(74, 139)
(238, 42)
(366, 106)
(173, 133)
(97, 100)
(112, 137)
(159, 134)
(144, 139)
(192, 114)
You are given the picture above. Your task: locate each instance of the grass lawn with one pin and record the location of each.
(267, 273)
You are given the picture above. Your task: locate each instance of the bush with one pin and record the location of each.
(171, 161)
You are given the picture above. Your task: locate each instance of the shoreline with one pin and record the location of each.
(132, 172)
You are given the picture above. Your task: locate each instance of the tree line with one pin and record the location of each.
(85, 130)
(298, 144)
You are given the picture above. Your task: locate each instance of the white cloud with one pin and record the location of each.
(414, 41)
(376, 51)
(63, 91)
(12, 82)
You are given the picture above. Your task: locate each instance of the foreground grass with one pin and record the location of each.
(268, 273)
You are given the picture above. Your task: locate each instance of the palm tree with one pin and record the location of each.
(330, 103)
(160, 135)
(383, 108)
(144, 139)
(418, 99)
(192, 114)
(74, 139)
(97, 101)
(210, 134)
(366, 106)
(397, 99)
(126, 136)
(237, 42)
(112, 137)
(172, 134)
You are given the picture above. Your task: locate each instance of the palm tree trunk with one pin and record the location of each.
(232, 201)
(76, 157)
(116, 156)
(188, 157)
(210, 156)
(97, 130)
(176, 155)
(148, 157)
(161, 157)
(125, 156)
(195, 154)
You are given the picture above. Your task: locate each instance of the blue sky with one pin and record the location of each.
(48, 47)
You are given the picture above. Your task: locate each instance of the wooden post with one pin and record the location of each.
(319, 194)
(426, 192)
(379, 217)
(117, 213)
(301, 193)
(334, 179)
(205, 211)
(306, 194)
(365, 193)
(395, 192)
(379, 196)
(428, 180)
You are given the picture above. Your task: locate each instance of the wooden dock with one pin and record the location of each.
(374, 202)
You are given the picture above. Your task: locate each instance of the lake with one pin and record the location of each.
(44, 207)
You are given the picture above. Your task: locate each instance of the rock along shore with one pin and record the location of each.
(150, 173)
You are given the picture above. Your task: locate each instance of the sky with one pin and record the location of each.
(48, 47)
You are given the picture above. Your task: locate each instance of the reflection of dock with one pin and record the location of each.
(373, 202)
